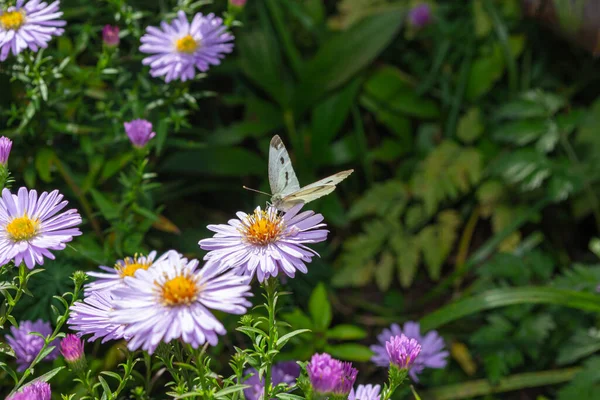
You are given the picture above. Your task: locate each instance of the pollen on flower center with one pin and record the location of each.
(22, 228)
(12, 20)
(179, 290)
(262, 227)
(131, 265)
(187, 44)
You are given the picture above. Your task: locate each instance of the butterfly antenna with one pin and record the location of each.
(257, 191)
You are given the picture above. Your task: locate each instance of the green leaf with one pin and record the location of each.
(48, 375)
(524, 167)
(436, 241)
(44, 163)
(108, 208)
(346, 332)
(408, 257)
(234, 162)
(510, 296)
(320, 308)
(585, 385)
(384, 271)
(386, 199)
(285, 338)
(350, 352)
(581, 345)
(470, 126)
(230, 390)
(483, 23)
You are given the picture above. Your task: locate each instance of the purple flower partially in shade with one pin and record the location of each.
(172, 301)
(328, 375)
(180, 47)
(433, 354)
(92, 317)
(266, 243)
(110, 35)
(37, 390)
(365, 392)
(113, 277)
(27, 346)
(31, 226)
(30, 25)
(283, 372)
(139, 132)
(5, 146)
(420, 15)
(402, 351)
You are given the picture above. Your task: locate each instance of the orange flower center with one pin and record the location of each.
(186, 44)
(262, 227)
(179, 290)
(22, 228)
(12, 20)
(131, 265)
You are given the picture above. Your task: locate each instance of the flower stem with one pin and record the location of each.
(270, 287)
(10, 304)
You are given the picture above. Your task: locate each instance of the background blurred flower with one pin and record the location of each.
(432, 353)
(30, 25)
(180, 47)
(5, 146)
(27, 346)
(365, 392)
(110, 35)
(265, 243)
(328, 375)
(139, 132)
(402, 351)
(237, 3)
(31, 226)
(171, 301)
(92, 317)
(37, 390)
(420, 15)
(283, 372)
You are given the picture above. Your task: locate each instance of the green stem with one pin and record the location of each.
(148, 362)
(23, 278)
(202, 372)
(270, 287)
(283, 33)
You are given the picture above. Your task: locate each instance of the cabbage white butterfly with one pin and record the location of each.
(285, 188)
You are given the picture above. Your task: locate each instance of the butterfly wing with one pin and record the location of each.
(314, 190)
(282, 177)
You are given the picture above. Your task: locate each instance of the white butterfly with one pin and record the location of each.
(285, 188)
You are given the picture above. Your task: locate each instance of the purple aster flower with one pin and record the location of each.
(172, 301)
(110, 35)
(266, 243)
(71, 347)
(284, 372)
(113, 277)
(402, 351)
(31, 226)
(433, 354)
(420, 15)
(180, 47)
(365, 392)
(37, 390)
(27, 346)
(5, 146)
(139, 132)
(92, 317)
(237, 3)
(30, 25)
(328, 375)
(346, 381)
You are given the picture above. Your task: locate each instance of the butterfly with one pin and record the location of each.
(285, 188)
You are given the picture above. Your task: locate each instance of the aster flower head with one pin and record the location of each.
(328, 375)
(37, 390)
(284, 372)
(27, 346)
(180, 47)
(347, 379)
(432, 355)
(172, 301)
(420, 15)
(139, 132)
(113, 277)
(31, 226)
(365, 392)
(265, 242)
(5, 146)
(402, 351)
(92, 317)
(110, 35)
(28, 24)
(71, 347)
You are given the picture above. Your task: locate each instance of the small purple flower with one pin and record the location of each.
(180, 47)
(110, 35)
(283, 372)
(265, 242)
(365, 392)
(328, 375)
(37, 390)
(27, 346)
(237, 3)
(433, 354)
(402, 351)
(30, 25)
(92, 317)
(5, 146)
(71, 347)
(139, 132)
(420, 15)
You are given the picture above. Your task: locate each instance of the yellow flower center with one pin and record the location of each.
(22, 228)
(186, 44)
(12, 20)
(130, 265)
(262, 227)
(179, 290)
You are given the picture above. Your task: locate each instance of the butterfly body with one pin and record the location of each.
(285, 188)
